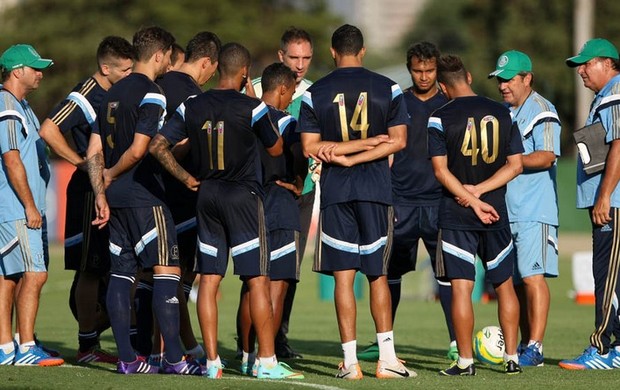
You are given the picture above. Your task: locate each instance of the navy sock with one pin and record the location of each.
(395, 286)
(119, 310)
(88, 340)
(143, 305)
(187, 289)
(445, 298)
(166, 308)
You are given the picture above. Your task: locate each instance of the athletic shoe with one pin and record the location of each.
(247, 367)
(531, 357)
(455, 370)
(214, 372)
(6, 359)
(398, 370)
(184, 367)
(453, 353)
(512, 368)
(95, 355)
(279, 371)
(615, 357)
(521, 348)
(590, 359)
(155, 360)
(353, 372)
(370, 354)
(35, 356)
(49, 351)
(284, 351)
(138, 366)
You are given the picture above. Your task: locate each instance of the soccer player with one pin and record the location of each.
(472, 141)
(296, 53)
(283, 183)
(598, 64)
(24, 174)
(415, 189)
(86, 248)
(177, 58)
(534, 225)
(356, 219)
(130, 196)
(199, 66)
(222, 125)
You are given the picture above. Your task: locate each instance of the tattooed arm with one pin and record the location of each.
(95, 165)
(160, 149)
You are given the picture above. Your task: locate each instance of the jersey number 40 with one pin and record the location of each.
(470, 140)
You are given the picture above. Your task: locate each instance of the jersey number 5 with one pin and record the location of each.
(470, 140)
(359, 122)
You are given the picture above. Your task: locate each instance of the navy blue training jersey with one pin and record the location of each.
(413, 179)
(349, 104)
(78, 112)
(133, 105)
(223, 126)
(178, 87)
(477, 135)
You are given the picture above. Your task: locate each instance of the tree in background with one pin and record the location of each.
(69, 31)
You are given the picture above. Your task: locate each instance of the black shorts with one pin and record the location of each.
(86, 246)
(142, 236)
(284, 258)
(187, 234)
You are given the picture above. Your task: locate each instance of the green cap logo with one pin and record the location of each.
(510, 64)
(18, 56)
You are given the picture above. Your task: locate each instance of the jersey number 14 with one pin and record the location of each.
(359, 121)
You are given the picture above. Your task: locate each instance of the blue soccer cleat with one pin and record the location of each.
(35, 356)
(6, 359)
(279, 371)
(531, 357)
(214, 372)
(590, 359)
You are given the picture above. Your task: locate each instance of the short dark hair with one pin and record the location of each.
(149, 40)
(347, 40)
(203, 44)
(113, 47)
(275, 75)
(450, 70)
(177, 50)
(233, 57)
(292, 35)
(423, 51)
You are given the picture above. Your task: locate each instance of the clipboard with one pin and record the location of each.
(592, 147)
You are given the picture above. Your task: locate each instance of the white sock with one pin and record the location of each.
(16, 338)
(537, 343)
(268, 362)
(25, 346)
(452, 343)
(8, 347)
(386, 347)
(514, 358)
(217, 362)
(350, 353)
(464, 362)
(197, 352)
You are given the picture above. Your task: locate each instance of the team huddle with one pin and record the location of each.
(172, 182)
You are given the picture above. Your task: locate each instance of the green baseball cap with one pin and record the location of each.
(597, 47)
(510, 64)
(21, 55)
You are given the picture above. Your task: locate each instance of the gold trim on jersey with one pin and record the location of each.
(69, 107)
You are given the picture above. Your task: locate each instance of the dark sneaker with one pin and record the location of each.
(284, 351)
(184, 367)
(138, 366)
(512, 368)
(95, 355)
(531, 356)
(455, 370)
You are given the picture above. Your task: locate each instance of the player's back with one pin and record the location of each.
(223, 126)
(177, 87)
(349, 104)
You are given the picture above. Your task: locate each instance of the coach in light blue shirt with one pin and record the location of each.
(532, 199)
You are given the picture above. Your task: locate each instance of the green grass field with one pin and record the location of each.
(420, 339)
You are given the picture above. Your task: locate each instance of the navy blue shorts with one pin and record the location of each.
(187, 234)
(354, 235)
(460, 247)
(411, 224)
(86, 246)
(284, 256)
(142, 236)
(231, 218)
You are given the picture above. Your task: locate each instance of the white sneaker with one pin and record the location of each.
(387, 371)
(353, 372)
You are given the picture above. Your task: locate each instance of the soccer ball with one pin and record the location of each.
(489, 345)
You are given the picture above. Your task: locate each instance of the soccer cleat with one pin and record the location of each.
(284, 351)
(155, 360)
(353, 372)
(214, 372)
(279, 371)
(49, 351)
(370, 354)
(184, 367)
(249, 368)
(35, 356)
(512, 368)
(95, 355)
(398, 370)
(531, 357)
(455, 370)
(590, 359)
(138, 366)
(6, 359)
(614, 354)
(453, 353)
